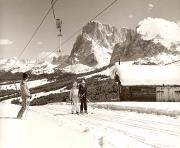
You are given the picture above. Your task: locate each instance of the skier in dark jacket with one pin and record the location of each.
(117, 80)
(82, 97)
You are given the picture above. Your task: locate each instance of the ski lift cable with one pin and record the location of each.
(70, 37)
(53, 10)
(34, 33)
(37, 29)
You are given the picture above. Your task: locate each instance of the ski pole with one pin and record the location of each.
(91, 107)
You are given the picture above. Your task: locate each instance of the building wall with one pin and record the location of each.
(168, 93)
(138, 93)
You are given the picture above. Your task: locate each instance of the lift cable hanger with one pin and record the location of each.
(58, 26)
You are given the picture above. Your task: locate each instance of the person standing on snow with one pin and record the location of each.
(25, 94)
(117, 80)
(75, 98)
(82, 96)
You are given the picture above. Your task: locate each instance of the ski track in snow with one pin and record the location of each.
(146, 130)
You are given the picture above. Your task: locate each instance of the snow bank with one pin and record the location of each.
(159, 108)
(148, 75)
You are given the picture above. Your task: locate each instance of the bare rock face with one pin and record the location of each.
(62, 61)
(94, 46)
(135, 47)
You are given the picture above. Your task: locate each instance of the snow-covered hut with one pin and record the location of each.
(149, 83)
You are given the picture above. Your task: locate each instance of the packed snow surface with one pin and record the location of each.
(99, 129)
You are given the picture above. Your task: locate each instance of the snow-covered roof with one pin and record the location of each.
(148, 75)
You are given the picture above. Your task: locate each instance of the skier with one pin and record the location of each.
(25, 94)
(74, 98)
(82, 96)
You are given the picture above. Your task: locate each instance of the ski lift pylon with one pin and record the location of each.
(58, 26)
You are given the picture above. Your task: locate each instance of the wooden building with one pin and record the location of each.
(149, 83)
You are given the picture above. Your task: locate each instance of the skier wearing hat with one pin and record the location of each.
(82, 96)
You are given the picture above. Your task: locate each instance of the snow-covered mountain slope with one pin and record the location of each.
(160, 31)
(152, 37)
(77, 68)
(14, 65)
(44, 67)
(7, 64)
(160, 59)
(135, 47)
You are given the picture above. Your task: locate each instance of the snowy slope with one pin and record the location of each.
(102, 129)
(7, 64)
(40, 131)
(77, 68)
(160, 31)
(160, 59)
(102, 54)
(43, 67)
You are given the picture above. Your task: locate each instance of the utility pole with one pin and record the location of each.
(119, 60)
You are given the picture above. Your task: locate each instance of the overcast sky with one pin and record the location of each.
(19, 18)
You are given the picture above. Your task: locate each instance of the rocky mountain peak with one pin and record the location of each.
(94, 46)
(135, 47)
